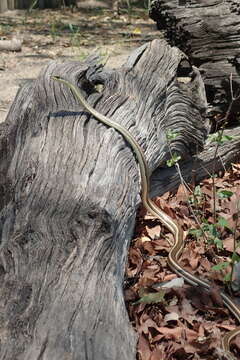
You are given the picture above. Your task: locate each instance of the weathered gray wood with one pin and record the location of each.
(3, 6)
(11, 45)
(71, 190)
(208, 32)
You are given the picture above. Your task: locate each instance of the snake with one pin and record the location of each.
(178, 246)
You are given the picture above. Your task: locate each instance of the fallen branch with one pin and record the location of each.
(11, 45)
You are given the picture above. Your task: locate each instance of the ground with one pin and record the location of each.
(62, 35)
(176, 325)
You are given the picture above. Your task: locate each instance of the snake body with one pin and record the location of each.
(177, 248)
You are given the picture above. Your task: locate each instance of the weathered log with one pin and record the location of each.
(70, 190)
(200, 166)
(208, 32)
(11, 45)
(91, 4)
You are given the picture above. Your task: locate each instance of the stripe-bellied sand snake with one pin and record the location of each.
(176, 250)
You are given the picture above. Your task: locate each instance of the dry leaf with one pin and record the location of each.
(154, 232)
(144, 348)
(196, 312)
(171, 317)
(157, 354)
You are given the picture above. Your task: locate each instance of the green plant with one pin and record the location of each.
(235, 257)
(75, 35)
(129, 9)
(170, 136)
(211, 230)
(220, 138)
(33, 4)
(53, 31)
(151, 297)
(196, 198)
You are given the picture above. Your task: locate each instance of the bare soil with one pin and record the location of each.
(62, 35)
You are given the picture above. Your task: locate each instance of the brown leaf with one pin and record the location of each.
(172, 316)
(205, 264)
(149, 274)
(144, 239)
(169, 277)
(176, 333)
(234, 204)
(146, 327)
(199, 297)
(143, 348)
(197, 333)
(236, 341)
(162, 204)
(135, 262)
(228, 244)
(154, 232)
(226, 327)
(165, 196)
(185, 211)
(161, 244)
(149, 248)
(182, 193)
(157, 354)
(130, 295)
(206, 189)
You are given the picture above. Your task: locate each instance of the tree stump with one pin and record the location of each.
(208, 32)
(70, 188)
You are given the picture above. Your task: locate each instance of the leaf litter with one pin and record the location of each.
(176, 320)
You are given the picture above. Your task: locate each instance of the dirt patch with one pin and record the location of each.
(62, 35)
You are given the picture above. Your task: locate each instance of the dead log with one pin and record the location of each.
(91, 4)
(11, 45)
(208, 32)
(70, 189)
(200, 166)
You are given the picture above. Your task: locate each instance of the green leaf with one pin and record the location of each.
(33, 4)
(152, 298)
(218, 242)
(197, 233)
(224, 194)
(226, 138)
(174, 159)
(71, 27)
(221, 266)
(214, 137)
(220, 138)
(227, 277)
(223, 222)
(235, 258)
(198, 191)
(211, 229)
(171, 134)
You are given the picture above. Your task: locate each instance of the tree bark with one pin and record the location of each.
(208, 32)
(11, 4)
(42, 4)
(71, 188)
(3, 6)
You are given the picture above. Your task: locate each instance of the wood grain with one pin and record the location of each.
(208, 32)
(70, 190)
